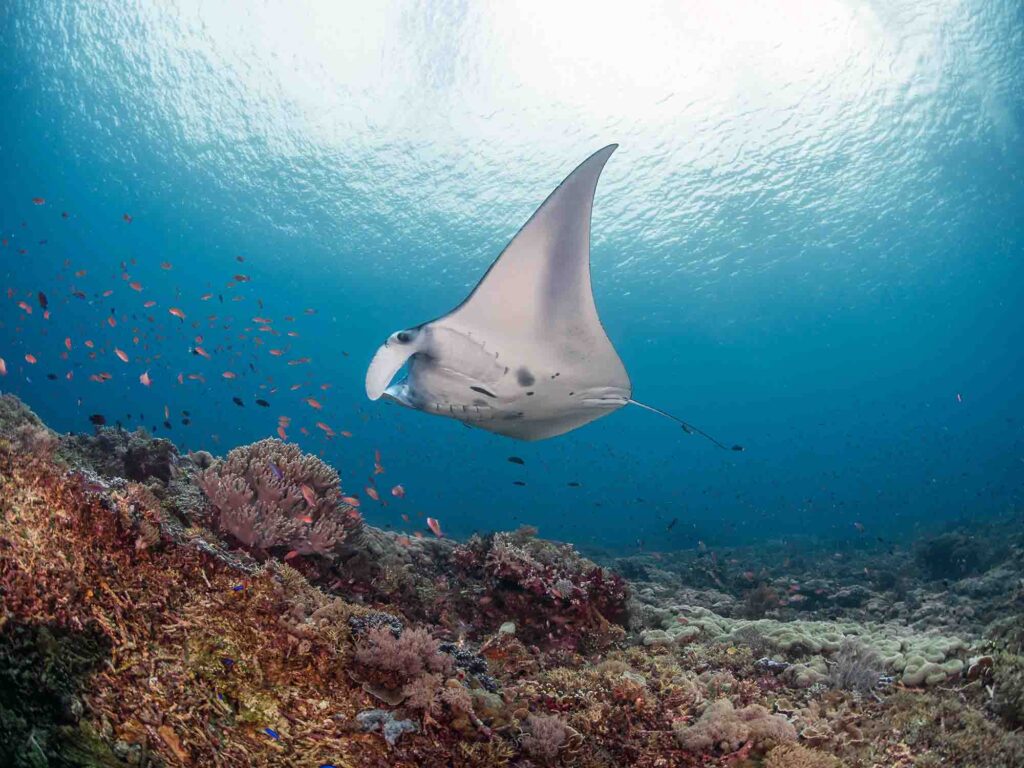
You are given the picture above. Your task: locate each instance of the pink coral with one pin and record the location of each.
(727, 729)
(392, 661)
(545, 736)
(261, 496)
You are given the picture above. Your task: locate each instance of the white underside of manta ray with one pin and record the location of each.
(525, 355)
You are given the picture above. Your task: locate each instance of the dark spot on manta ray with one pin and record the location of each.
(516, 460)
(524, 377)
(529, 394)
(483, 391)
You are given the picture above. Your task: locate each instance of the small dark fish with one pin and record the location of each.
(516, 460)
(186, 421)
(518, 482)
(263, 403)
(737, 448)
(185, 413)
(238, 588)
(271, 733)
(42, 300)
(167, 424)
(98, 419)
(574, 484)
(51, 376)
(238, 401)
(672, 524)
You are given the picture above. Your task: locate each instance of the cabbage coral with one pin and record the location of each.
(272, 498)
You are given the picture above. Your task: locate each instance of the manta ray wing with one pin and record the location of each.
(525, 355)
(536, 302)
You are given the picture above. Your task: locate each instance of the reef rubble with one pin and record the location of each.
(159, 609)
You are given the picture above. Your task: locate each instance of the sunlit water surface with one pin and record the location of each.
(810, 241)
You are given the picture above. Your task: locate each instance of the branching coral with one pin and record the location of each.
(797, 756)
(556, 597)
(272, 498)
(392, 662)
(856, 666)
(545, 736)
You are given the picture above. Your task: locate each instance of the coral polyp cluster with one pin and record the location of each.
(273, 499)
(555, 597)
(140, 627)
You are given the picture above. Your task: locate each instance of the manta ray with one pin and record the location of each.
(525, 354)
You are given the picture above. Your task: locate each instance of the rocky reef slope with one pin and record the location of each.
(166, 610)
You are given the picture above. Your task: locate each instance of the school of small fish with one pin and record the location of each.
(220, 347)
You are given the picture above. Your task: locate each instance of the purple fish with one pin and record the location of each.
(275, 469)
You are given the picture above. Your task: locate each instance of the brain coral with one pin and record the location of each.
(272, 498)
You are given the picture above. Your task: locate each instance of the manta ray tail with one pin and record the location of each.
(690, 429)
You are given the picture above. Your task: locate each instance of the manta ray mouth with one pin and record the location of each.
(388, 361)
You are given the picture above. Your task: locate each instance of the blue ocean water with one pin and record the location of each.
(810, 242)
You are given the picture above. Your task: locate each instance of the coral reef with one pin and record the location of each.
(723, 728)
(273, 499)
(131, 634)
(554, 596)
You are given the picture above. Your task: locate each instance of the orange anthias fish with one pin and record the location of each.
(67, 343)
(121, 354)
(435, 527)
(30, 359)
(144, 379)
(398, 491)
(177, 313)
(352, 501)
(3, 367)
(229, 375)
(315, 405)
(372, 493)
(308, 495)
(25, 306)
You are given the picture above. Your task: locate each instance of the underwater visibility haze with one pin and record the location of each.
(808, 243)
(236, 237)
